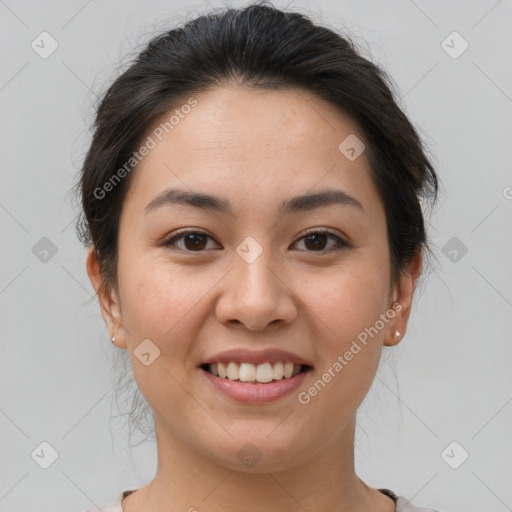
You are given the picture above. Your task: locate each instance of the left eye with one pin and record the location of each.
(315, 241)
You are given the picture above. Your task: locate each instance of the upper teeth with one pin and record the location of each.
(249, 372)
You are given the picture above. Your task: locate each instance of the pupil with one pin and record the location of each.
(315, 236)
(197, 243)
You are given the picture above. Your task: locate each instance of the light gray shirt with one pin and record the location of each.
(402, 505)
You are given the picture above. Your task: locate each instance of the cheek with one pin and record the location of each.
(158, 306)
(154, 292)
(166, 304)
(349, 303)
(350, 298)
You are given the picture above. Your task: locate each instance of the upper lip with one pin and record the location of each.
(269, 355)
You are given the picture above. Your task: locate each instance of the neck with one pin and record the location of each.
(187, 480)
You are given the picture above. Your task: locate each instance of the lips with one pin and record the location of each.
(255, 376)
(255, 392)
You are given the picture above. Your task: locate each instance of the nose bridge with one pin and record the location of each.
(253, 275)
(255, 296)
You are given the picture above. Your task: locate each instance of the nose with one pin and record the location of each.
(256, 295)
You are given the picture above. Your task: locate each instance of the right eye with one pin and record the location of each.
(193, 241)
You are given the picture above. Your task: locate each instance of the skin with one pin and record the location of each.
(255, 149)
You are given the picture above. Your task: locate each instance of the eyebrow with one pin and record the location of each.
(294, 204)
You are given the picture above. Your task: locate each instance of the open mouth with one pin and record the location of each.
(255, 373)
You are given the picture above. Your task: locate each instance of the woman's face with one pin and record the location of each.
(253, 279)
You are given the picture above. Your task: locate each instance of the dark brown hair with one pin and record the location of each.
(258, 46)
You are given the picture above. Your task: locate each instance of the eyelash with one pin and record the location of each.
(341, 244)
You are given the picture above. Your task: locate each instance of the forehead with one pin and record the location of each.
(253, 145)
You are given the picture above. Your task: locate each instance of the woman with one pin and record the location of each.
(251, 200)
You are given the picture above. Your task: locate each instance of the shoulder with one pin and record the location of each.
(114, 505)
(404, 505)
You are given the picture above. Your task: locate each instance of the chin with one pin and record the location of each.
(258, 452)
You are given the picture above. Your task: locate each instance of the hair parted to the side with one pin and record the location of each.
(263, 47)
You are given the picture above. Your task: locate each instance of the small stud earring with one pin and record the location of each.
(397, 333)
(113, 339)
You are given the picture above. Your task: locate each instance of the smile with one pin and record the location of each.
(253, 391)
(261, 373)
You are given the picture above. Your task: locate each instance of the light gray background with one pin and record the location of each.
(448, 380)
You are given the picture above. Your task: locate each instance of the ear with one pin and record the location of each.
(402, 294)
(108, 299)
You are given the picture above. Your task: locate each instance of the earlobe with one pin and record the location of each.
(394, 331)
(392, 337)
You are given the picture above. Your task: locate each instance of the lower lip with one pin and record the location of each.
(254, 393)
